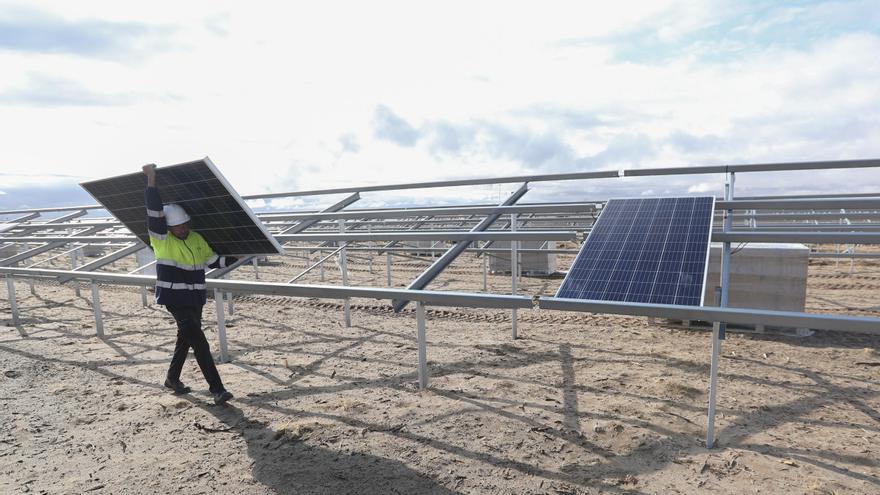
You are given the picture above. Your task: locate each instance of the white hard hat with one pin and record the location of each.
(175, 215)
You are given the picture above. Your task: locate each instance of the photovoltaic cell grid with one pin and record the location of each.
(652, 250)
(217, 211)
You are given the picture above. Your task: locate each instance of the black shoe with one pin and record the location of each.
(177, 386)
(222, 396)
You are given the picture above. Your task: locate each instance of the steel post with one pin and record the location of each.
(96, 307)
(514, 266)
(485, 273)
(719, 328)
(73, 264)
(388, 267)
(10, 290)
(422, 344)
(343, 266)
(221, 325)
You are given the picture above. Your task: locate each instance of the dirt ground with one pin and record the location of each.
(580, 403)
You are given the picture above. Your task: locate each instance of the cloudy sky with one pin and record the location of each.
(334, 94)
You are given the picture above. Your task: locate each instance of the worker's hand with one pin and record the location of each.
(150, 171)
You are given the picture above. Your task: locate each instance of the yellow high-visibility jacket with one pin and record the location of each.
(180, 263)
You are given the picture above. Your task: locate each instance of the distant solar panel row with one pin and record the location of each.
(217, 211)
(652, 250)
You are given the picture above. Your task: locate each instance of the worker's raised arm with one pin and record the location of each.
(150, 171)
(156, 226)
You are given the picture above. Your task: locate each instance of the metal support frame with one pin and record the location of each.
(146, 264)
(306, 223)
(110, 258)
(485, 274)
(221, 325)
(449, 256)
(711, 169)
(96, 307)
(514, 269)
(854, 324)
(316, 264)
(422, 345)
(370, 244)
(74, 258)
(719, 328)
(49, 244)
(343, 266)
(434, 236)
(13, 304)
(388, 266)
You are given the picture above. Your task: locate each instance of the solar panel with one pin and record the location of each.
(652, 250)
(218, 213)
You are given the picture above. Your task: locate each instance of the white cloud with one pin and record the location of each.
(703, 187)
(291, 101)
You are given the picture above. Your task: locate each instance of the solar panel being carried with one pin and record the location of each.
(217, 212)
(652, 250)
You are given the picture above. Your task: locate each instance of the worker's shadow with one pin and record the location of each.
(286, 463)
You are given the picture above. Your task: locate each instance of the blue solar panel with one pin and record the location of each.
(652, 250)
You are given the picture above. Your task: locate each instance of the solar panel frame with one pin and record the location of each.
(597, 272)
(218, 212)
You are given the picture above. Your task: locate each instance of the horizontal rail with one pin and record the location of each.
(641, 172)
(404, 249)
(73, 238)
(803, 237)
(455, 210)
(857, 324)
(799, 204)
(529, 235)
(462, 299)
(844, 255)
(790, 319)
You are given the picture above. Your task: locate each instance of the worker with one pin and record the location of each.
(181, 257)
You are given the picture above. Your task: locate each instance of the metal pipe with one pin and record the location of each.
(96, 307)
(856, 324)
(799, 204)
(449, 256)
(514, 265)
(422, 345)
(319, 262)
(388, 265)
(13, 304)
(802, 237)
(437, 211)
(744, 316)
(221, 325)
(343, 266)
(472, 235)
(717, 169)
(719, 328)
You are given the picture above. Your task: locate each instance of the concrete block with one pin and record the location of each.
(7, 250)
(530, 263)
(762, 276)
(93, 251)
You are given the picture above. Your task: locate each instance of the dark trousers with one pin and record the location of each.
(190, 334)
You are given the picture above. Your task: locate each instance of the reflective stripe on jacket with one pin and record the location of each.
(180, 263)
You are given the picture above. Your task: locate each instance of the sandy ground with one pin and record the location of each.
(579, 404)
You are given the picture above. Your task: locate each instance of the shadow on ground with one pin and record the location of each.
(287, 465)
